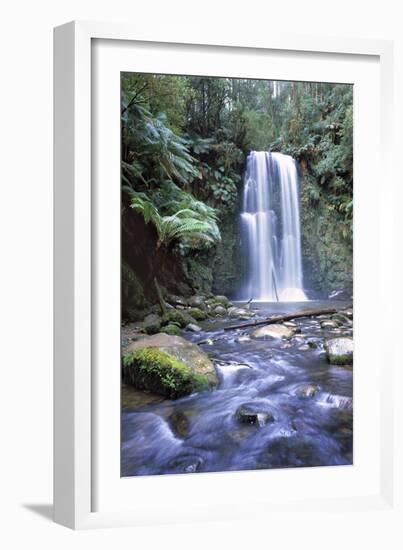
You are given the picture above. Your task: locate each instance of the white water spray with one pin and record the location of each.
(270, 229)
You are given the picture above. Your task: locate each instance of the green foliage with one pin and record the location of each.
(194, 224)
(151, 369)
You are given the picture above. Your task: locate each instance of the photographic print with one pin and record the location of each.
(236, 274)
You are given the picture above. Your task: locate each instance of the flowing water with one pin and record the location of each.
(270, 229)
(201, 432)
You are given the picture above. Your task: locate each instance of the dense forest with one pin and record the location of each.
(184, 145)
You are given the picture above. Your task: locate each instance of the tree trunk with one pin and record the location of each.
(160, 296)
(282, 318)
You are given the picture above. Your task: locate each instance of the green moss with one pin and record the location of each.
(197, 314)
(173, 316)
(172, 329)
(156, 371)
(340, 359)
(222, 301)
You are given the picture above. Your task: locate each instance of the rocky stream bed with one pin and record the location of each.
(271, 396)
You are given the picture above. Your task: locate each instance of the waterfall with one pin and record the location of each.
(270, 229)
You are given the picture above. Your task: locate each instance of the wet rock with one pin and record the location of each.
(273, 331)
(177, 300)
(242, 339)
(206, 341)
(252, 413)
(179, 423)
(304, 347)
(240, 313)
(307, 391)
(339, 351)
(329, 324)
(192, 327)
(197, 301)
(341, 319)
(186, 464)
(312, 344)
(152, 323)
(171, 329)
(180, 318)
(290, 324)
(348, 312)
(220, 310)
(197, 313)
(198, 362)
(222, 300)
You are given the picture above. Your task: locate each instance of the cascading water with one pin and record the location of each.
(270, 229)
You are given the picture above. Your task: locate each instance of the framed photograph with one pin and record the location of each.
(222, 244)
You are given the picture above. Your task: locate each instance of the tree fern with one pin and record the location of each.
(198, 225)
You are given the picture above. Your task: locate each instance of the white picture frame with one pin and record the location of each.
(83, 495)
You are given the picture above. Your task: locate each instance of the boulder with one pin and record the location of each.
(273, 331)
(220, 310)
(254, 413)
(197, 313)
(177, 300)
(222, 300)
(152, 323)
(171, 329)
(192, 327)
(240, 313)
(304, 347)
(180, 360)
(339, 351)
(242, 339)
(197, 301)
(307, 391)
(180, 318)
(329, 324)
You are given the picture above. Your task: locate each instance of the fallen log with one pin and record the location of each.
(287, 317)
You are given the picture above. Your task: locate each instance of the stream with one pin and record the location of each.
(303, 404)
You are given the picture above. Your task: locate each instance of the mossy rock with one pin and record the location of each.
(180, 318)
(197, 301)
(153, 370)
(181, 349)
(152, 323)
(339, 351)
(197, 314)
(171, 329)
(222, 301)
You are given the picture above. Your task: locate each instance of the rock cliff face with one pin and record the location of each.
(326, 252)
(227, 265)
